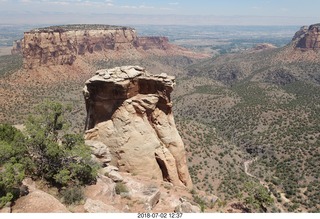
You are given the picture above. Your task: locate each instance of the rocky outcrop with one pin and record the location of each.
(262, 46)
(60, 45)
(186, 207)
(130, 111)
(153, 43)
(100, 152)
(308, 37)
(38, 201)
(17, 47)
(96, 206)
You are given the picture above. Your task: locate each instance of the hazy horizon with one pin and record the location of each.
(165, 12)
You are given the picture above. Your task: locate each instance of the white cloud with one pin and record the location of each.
(129, 6)
(59, 3)
(146, 7)
(137, 7)
(166, 9)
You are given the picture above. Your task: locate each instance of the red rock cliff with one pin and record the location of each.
(308, 37)
(61, 45)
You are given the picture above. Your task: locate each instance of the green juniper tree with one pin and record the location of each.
(46, 151)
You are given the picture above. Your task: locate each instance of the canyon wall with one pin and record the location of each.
(60, 45)
(130, 111)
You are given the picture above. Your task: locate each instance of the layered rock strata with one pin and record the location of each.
(130, 111)
(60, 45)
(308, 37)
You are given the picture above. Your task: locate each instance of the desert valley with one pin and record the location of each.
(185, 119)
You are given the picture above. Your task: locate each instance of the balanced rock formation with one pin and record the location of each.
(308, 37)
(130, 111)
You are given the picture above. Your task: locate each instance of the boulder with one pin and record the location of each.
(187, 207)
(115, 176)
(38, 201)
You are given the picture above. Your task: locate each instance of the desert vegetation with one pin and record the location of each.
(44, 151)
(246, 117)
(256, 107)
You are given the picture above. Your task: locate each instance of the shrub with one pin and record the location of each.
(121, 188)
(72, 195)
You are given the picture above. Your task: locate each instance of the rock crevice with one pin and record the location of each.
(130, 111)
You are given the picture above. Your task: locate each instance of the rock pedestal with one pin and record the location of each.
(130, 111)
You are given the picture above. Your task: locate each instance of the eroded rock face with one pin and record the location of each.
(308, 37)
(60, 45)
(130, 111)
(153, 43)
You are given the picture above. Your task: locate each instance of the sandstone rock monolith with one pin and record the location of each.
(130, 111)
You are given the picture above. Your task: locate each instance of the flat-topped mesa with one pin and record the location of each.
(307, 37)
(58, 45)
(130, 111)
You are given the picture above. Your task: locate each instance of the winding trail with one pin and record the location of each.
(246, 170)
(246, 167)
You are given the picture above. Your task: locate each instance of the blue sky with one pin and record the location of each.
(278, 11)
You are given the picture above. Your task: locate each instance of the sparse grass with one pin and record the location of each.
(9, 64)
(121, 188)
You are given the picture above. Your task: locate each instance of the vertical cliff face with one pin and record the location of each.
(154, 43)
(130, 111)
(61, 45)
(308, 37)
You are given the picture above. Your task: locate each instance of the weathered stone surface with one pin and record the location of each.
(148, 194)
(109, 168)
(153, 43)
(5, 210)
(38, 201)
(115, 176)
(96, 206)
(100, 151)
(103, 190)
(152, 197)
(187, 207)
(308, 37)
(133, 117)
(60, 45)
